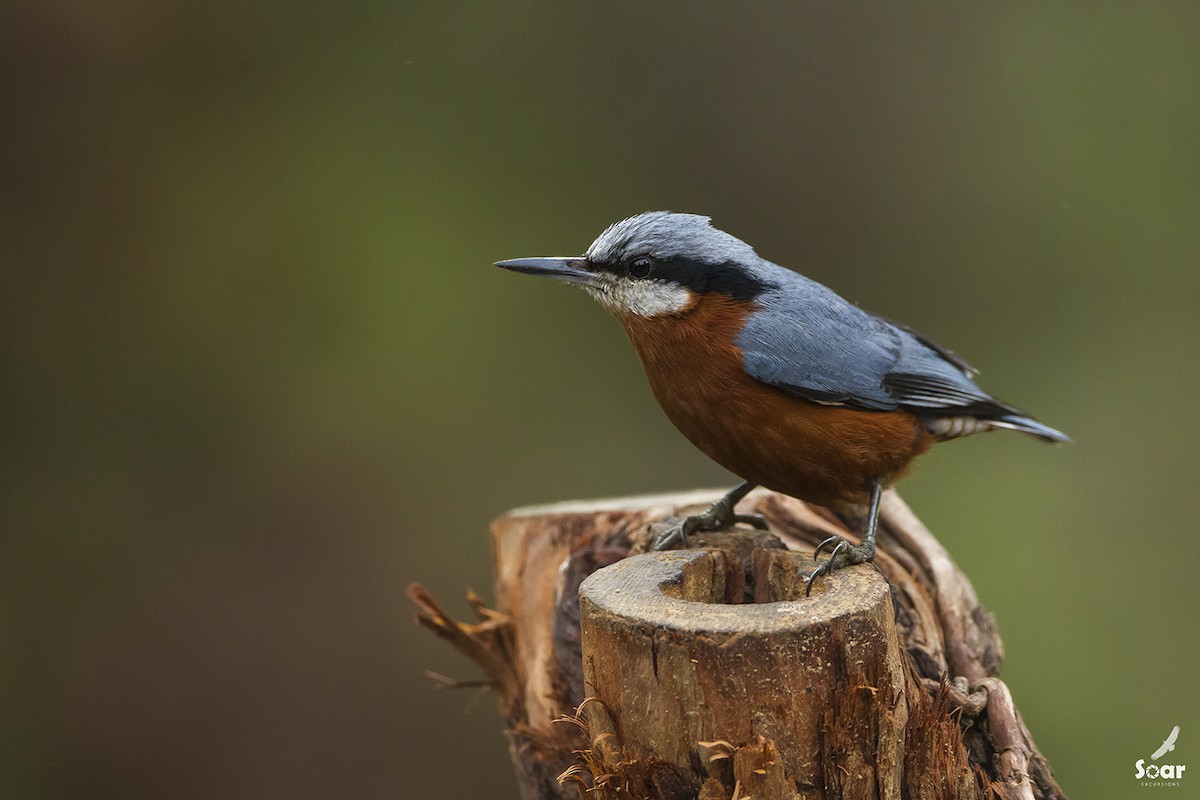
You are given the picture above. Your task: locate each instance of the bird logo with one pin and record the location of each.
(1167, 746)
(1161, 774)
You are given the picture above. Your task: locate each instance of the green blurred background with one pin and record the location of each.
(258, 373)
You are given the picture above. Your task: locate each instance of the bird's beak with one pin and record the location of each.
(567, 270)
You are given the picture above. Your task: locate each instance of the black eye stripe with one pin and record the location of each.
(702, 277)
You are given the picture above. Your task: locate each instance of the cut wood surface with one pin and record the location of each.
(679, 662)
(707, 673)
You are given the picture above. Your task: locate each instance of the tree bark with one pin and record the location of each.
(706, 673)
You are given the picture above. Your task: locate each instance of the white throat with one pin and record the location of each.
(645, 298)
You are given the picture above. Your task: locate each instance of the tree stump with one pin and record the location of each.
(707, 674)
(679, 662)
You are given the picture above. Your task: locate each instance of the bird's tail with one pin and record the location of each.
(1020, 422)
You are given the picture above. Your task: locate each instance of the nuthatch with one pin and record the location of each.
(774, 376)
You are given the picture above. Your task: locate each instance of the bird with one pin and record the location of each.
(1168, 745)
(776, 377)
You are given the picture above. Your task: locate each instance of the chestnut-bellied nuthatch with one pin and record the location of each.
(774, 376)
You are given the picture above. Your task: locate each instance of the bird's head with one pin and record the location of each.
(655, 264)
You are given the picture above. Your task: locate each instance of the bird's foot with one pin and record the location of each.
(716, 517)
(841, 554)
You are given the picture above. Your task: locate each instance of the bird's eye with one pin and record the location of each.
(641, 267)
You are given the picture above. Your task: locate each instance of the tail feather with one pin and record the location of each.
(1017, 422)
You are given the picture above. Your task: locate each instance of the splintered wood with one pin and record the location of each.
(707, 673)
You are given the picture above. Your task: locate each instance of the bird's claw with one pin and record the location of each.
(678, 533)
(717, 516)
(832, 541)
(842, 554)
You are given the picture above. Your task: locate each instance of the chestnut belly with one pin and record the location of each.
(822, 454)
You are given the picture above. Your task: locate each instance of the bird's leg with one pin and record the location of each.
(719, 515)
(842, 553)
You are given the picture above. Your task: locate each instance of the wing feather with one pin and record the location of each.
(809, 342)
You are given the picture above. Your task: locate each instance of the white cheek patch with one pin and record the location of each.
(646, 298)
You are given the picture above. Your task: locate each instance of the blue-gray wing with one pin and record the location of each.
(808, 342)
